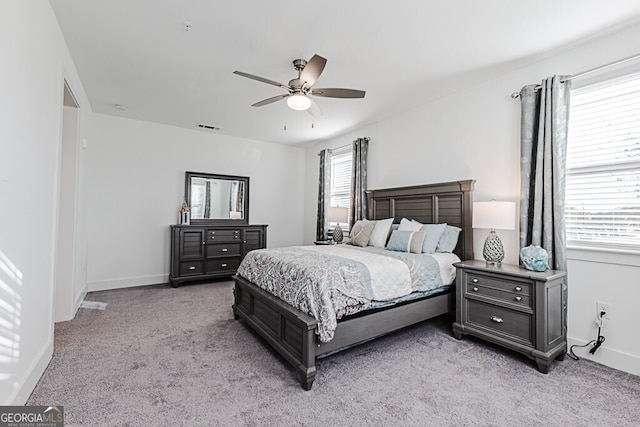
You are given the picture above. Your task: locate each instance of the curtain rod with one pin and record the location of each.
(345, 146)
(515, 95)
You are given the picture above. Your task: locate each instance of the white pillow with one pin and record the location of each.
(380, 233)
(406, 225)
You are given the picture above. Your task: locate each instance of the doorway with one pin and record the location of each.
(69, 288)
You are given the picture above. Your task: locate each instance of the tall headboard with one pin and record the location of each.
(450, 202)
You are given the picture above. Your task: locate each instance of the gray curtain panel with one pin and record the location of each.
(359, 180)
(543, 159)
(324, 192)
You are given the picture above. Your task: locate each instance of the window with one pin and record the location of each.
(603, 165)
(341, 181)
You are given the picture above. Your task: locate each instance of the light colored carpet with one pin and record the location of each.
(164, 356)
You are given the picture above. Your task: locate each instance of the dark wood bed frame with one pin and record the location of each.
(291, 332)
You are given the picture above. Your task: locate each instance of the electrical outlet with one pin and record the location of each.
(603, 306)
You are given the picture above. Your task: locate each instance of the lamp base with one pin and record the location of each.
(493, 251)
(337, 234)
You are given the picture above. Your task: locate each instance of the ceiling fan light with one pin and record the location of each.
(298, 102)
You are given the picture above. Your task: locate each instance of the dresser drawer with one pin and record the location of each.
(517, 298)
(223, 264)
(523, 288)
(499, 319)
(215, 236)
(223, 249)
(191, 267)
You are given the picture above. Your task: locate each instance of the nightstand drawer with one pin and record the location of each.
(517, 298)
(523, 288)
(500, 319)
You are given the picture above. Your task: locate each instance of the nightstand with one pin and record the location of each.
(514, 307)
(324, 242)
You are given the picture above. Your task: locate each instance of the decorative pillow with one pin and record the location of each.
(380, 233)
(412, 225)
(433, 233)
(449, 239)
(406, 241)
(360, 232)
(417, 239)
(400, 241)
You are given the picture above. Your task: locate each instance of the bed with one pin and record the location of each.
(294, 334)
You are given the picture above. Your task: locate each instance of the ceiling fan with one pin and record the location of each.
(300, 88)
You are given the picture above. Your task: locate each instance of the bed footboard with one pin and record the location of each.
(289, 331)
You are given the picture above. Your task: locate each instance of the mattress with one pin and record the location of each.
(333, 281)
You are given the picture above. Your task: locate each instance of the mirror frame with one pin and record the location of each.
(218, 221)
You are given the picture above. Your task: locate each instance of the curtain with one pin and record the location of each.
(543, 159)
(359, 180)
(324, 192)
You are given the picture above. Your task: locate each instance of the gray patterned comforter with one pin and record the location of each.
(329, 282)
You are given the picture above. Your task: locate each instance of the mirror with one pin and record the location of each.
(217, 199)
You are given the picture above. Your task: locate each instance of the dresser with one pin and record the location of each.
(208, 252)
(516, 308)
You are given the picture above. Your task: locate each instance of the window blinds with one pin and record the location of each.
(603, 164)
(341, 181)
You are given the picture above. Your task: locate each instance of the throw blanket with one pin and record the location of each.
(329, 282)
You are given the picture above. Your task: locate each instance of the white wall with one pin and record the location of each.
(135, 173)
(474, 133)
(35, 61)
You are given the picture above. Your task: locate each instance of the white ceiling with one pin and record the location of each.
(403, 53)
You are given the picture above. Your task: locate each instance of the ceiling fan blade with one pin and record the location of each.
(314, 110)
(261, 79)
(312, 71)
(270, 100)
(338, 93)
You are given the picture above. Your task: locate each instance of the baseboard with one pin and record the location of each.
(79, 299)
(128, 282)
(30, 380)
(607, 356)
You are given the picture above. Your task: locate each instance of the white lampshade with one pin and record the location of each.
(337, 214)
(494, 215)
(298, 102)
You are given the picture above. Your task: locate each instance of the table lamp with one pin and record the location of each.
(338, 215)
(494, 215)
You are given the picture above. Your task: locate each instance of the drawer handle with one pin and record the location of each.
(475, 280)
(518, 298)
(518, 288)
(223, 265)
(475, 289)
(235, 237)
(203, 243)
(497, 319)
(213, 237)
(212, 232)
(224, 250)
(192, 268)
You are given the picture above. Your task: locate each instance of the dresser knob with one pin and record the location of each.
(223, 265)
(518, 298)
(235, 237)
(475, 289)
(518, 288)
(224, 250)
(192, 268)
(203, 243)
(496, 319)
(475, 280)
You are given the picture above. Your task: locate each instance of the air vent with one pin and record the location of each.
(210, 127)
